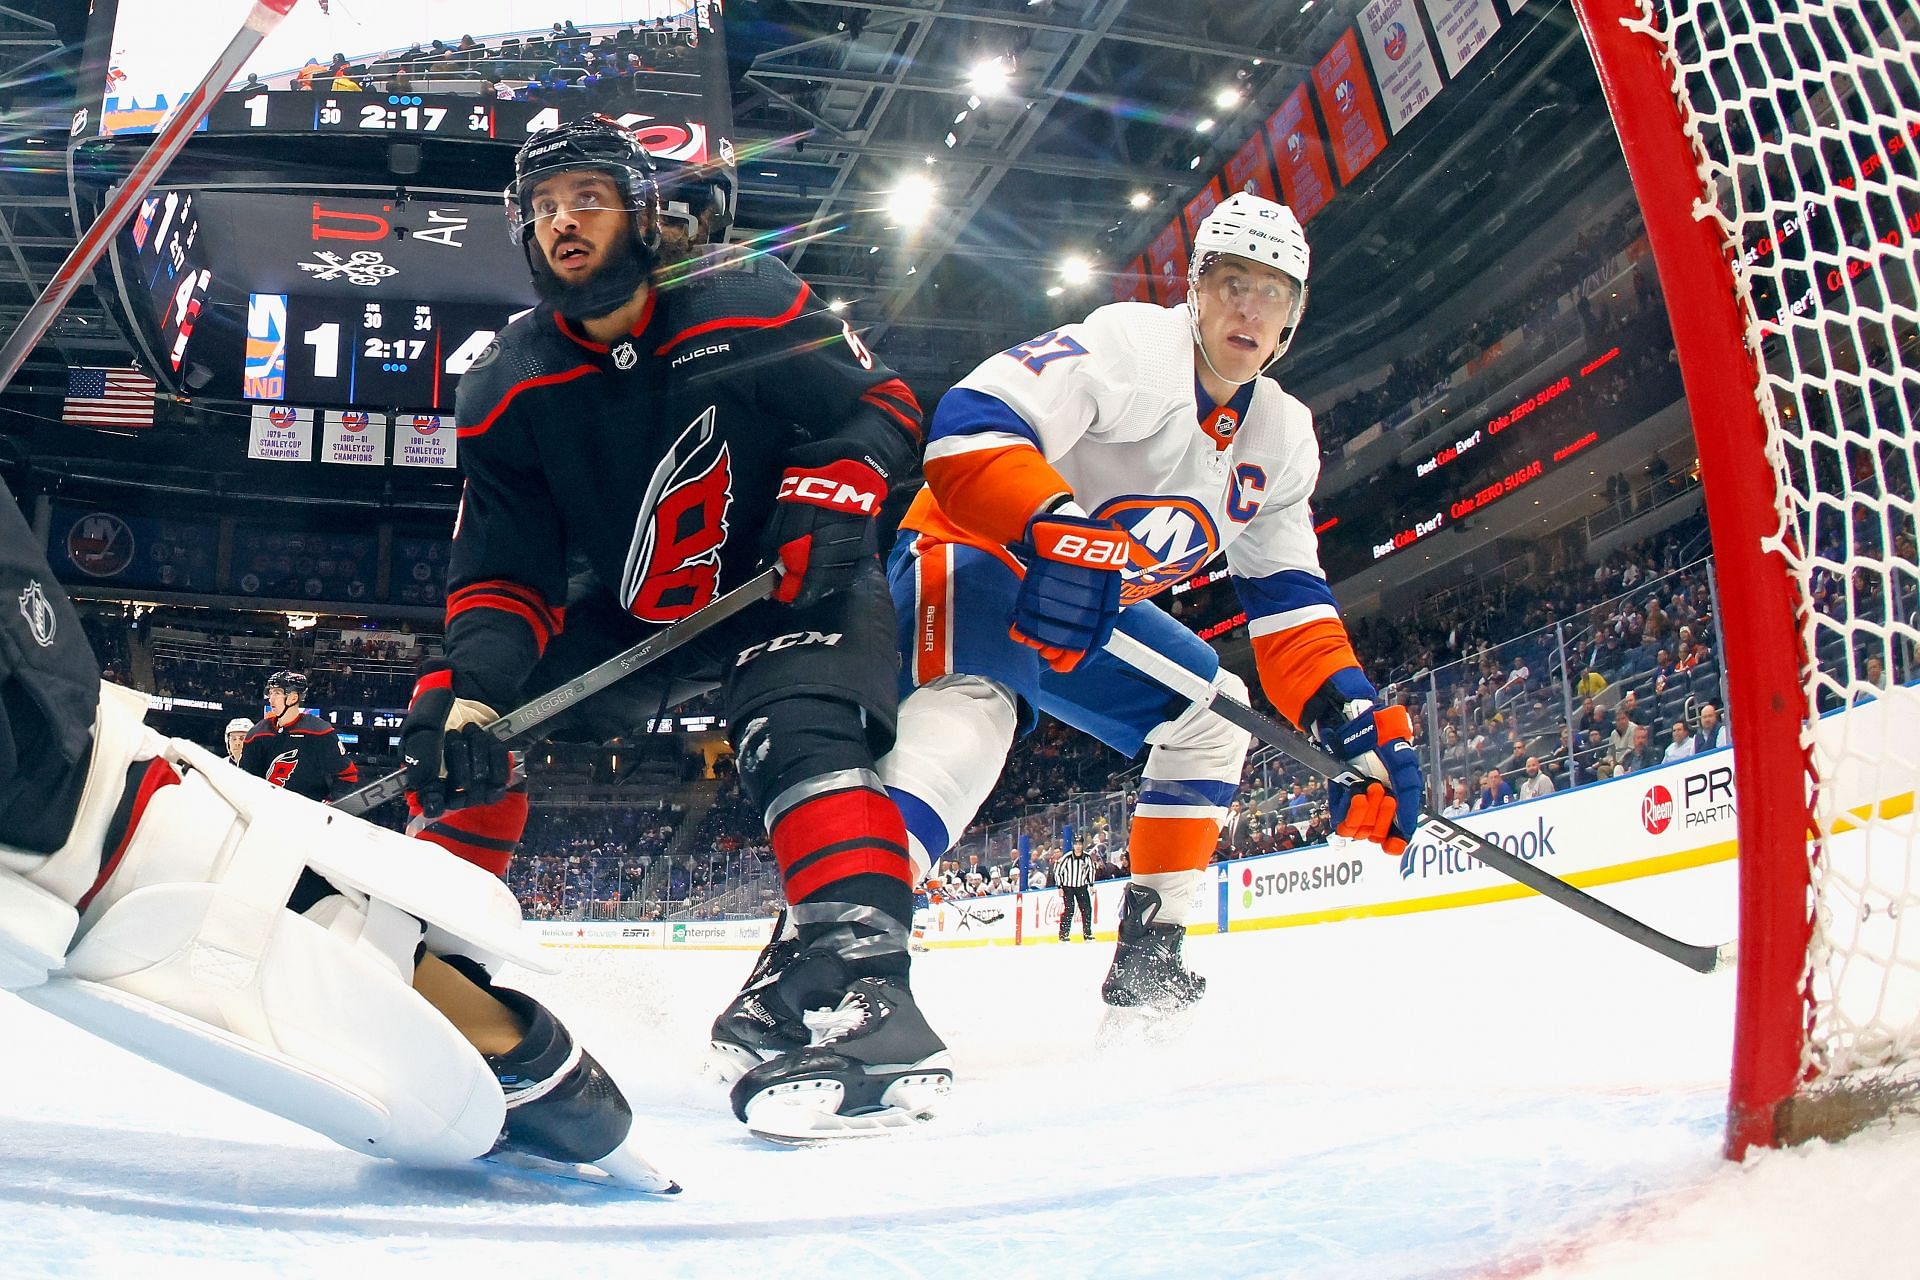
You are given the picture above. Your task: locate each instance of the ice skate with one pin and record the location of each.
(872, 1064)
(1148, 971)
(756, 1026)
(566, 1118)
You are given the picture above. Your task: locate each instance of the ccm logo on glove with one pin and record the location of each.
(844, 486)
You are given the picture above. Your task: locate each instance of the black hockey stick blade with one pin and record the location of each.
(524, 719)
(1151, 663)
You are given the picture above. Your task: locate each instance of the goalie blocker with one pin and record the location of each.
(159, 897)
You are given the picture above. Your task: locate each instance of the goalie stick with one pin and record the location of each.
(167, 141)
(1165, 671)
(525, 718)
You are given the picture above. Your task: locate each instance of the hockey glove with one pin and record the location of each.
(1070, 597)
(824, 523)
(452, 761)
(1378, 742)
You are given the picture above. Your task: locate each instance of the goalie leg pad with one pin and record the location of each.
(955, 732)
(321, 1030)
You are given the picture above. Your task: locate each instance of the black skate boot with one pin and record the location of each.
(872, 1063)
(1147, 969)
(756, 1026)
(565, 1115)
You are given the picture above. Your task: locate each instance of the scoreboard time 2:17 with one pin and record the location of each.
(354, 353)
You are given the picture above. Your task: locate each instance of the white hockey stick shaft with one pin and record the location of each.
(172, 135)
(1196, 688)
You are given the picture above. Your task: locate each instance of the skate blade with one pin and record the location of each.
(805, 1112)
(1128, 1025)
(621, 1170)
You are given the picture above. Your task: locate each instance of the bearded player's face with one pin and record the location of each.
(580, 223)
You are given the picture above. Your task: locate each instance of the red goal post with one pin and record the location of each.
(1772, 147)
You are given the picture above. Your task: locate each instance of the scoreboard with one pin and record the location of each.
(437, 115)
(168, 263)
(342, 351)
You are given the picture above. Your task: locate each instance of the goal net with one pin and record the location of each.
(1772, 147)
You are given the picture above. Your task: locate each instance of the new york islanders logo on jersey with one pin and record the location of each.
(1175, 537)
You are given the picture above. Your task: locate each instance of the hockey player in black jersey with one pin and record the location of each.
(633, 449)
(296, 749)
(291, 955)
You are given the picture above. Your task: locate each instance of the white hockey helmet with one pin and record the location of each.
(1258, 230)
(239, 725)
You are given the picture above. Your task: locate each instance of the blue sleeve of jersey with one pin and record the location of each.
(1278, 595)
(965, 412)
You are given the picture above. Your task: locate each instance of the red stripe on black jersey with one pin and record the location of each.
(788, 316)
(541, 618)
(485, 424)
(896, 401)
(639, 327)
(826, 839)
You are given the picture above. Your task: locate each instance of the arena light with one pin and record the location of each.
(1054, 291)
(988, 77)
(1075, 270)
(838, 304)
(1228, 98)
(1139, 200)
(1205, 126)
(911, 201)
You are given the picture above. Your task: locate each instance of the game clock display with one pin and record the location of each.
(354, 352)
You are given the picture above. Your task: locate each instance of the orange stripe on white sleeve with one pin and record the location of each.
(994, 492)
(1294, 663)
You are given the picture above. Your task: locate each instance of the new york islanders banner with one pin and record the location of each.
(280, 433)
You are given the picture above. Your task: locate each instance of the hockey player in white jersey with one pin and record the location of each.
(282, 951)
(1069, 480)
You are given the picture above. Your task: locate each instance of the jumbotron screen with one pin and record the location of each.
(457, 68)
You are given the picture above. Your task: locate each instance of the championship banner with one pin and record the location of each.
(353, 437)
(1402, 59)
(1201, 205)
(1250, 170)
(1300, 155)
(1346, 100)
(424, 440)
(280, 433)
(1130, 285)
(1167, 262)
(1463, 28)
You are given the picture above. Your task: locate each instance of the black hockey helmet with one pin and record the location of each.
(596, 142)
(288, 682)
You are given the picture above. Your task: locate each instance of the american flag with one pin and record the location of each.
(121, 398)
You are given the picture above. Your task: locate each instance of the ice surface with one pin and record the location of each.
(1496, 1092)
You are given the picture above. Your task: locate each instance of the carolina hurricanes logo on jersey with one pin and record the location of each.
(282, 767)
(1175, 536)
(673, 563)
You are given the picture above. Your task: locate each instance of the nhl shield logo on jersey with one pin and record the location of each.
(38, 611)
(624, 355)
(1174, 536)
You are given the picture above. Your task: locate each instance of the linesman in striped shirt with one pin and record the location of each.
(1073, 872)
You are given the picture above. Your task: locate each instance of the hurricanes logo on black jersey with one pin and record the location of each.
(282, 767)
(673, 563)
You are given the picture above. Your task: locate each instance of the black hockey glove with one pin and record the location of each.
(824, 523)
(452, 761)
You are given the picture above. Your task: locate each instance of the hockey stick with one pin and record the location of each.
(589, 682)
(172, 135)
(1195, 688)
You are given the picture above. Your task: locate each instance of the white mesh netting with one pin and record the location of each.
(1806, 117)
